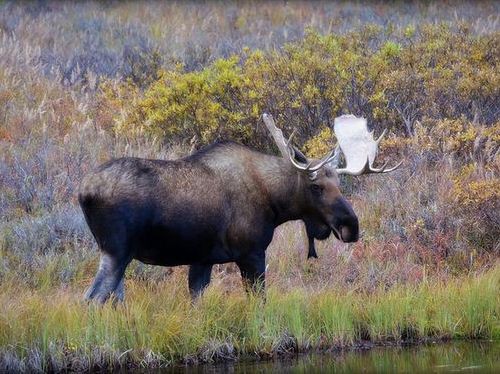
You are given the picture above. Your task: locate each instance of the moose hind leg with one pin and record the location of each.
(120, 290)
(109, 279)
(111, 236)
(199, 278)
(93, 290)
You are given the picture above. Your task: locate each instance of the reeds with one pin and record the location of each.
(158, 325)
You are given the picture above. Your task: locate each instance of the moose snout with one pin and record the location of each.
(346, 224)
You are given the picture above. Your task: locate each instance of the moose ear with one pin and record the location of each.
(299, 156)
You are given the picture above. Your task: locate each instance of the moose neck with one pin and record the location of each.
(283, 186)
(276, 187)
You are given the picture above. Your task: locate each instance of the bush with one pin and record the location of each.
(394, 80)
(476, 199)
(201, 106)
(122, 40)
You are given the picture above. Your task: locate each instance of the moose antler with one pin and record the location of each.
(358, 146)
(287, 150)
(354, 140)
(277, 135)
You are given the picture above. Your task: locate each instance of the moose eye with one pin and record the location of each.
(316, 189)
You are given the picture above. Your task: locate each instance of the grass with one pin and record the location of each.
(158, 325)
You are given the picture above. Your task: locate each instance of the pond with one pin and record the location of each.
(465, 357)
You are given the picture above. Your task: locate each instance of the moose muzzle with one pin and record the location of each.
(345, 225)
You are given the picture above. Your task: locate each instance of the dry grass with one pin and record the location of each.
(83, 41)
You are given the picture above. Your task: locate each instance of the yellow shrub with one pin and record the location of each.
(471, 190)
(459, 138)
(321, 144)
(395, 80)
(197, 105)
(476, 200)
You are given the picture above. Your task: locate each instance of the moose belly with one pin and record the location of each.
(175, 245)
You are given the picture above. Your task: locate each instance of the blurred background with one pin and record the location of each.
(84, 82)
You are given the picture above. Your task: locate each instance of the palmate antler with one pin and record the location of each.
(277, 135)
(358, 146)
(354, 139)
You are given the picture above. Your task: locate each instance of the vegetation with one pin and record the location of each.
(81, 83)
(394, 78)
(160, 330)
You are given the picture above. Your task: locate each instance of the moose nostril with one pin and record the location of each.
(344, 231)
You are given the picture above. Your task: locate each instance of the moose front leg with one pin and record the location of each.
(199, 278)
(311, 253)
(312, 231)
(253, 269)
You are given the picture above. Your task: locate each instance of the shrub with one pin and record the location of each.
(459, 139)
(121, 40)
(476, 199)
(394, 83)
(201, 106)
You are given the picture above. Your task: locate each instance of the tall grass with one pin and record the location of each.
(158, 325)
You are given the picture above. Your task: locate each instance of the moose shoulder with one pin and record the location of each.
(218, 205)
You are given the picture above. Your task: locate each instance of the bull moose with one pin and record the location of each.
(218, 205)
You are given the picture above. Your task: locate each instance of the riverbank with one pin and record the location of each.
(469, 356)
(158, 326)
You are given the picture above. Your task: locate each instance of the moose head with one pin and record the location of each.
(328, 210)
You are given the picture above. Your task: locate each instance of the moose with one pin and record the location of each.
(219, 205)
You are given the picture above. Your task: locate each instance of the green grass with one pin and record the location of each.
(158, 324)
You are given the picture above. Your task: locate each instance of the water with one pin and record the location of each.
(463, 357)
